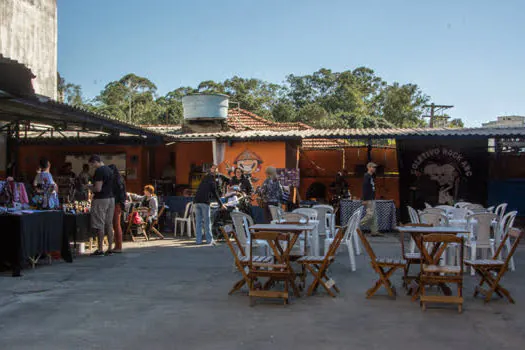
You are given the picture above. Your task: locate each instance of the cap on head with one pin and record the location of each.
(371, 165)
(95, 158)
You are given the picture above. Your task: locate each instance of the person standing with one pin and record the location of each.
(368, 197)
(103, 204)
(45, 187)
(271, 192)
(201, 205)
(81, 184)
(119, 193)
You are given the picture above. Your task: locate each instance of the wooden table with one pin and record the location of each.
(295, 231)
(417, 231)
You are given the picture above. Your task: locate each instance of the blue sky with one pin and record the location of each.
(467, 53)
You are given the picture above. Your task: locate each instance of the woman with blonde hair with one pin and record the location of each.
(271, 192)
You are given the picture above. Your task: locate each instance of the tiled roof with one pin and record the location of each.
(240, 119)
(247, 125)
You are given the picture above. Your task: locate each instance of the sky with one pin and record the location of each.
(466, 53)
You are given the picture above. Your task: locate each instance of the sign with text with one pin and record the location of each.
(443, 172)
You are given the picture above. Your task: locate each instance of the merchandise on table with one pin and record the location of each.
(82, 207)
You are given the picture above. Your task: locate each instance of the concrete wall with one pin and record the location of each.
(28, 34)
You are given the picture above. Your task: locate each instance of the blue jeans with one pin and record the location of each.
(202, 215)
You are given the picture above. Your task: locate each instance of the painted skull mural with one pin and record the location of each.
(447, 168)
(249, 162)
(447, 177)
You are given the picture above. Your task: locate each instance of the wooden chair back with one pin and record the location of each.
(440, 242)
(367, 246)
(335, 243)
(512, 233)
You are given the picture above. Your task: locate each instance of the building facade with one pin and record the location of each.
(508, 121)
(28, 34)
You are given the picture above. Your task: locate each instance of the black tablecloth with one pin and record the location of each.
(30, 235)
(385, 211)
(77, 227)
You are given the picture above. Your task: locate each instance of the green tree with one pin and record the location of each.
(402, 105)
(69, 93)
(456, 123)
(134, 98)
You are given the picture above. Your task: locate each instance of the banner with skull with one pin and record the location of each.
(443, 172)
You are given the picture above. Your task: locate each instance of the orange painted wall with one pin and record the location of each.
(322, 166)
(188, 153)
(29, 156)
(272, 153)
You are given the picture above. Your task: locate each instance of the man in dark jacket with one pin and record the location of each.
(369, 197)
(201, 205)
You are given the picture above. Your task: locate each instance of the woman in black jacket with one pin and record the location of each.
(239, 179)
(119, 192)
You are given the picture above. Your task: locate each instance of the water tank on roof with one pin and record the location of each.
(205, 106)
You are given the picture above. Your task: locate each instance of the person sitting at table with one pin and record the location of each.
(45, 187)
(148, 200)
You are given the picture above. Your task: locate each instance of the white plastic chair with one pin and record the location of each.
(184, 221)
(434, 219)
(446, 208)
(276, 212)
(504, 226)
(324, 226)
(480, 225)
(458, 214)
(309, 212)
(350, 235)
(241, 224)
(414, 219)
(427, 206)
(500, 210)
(434, 210)
(461, 204)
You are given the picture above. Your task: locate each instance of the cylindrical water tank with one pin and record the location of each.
(205, 106)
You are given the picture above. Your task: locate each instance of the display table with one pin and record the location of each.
(30, 236)
(77, 227)
(385, 211)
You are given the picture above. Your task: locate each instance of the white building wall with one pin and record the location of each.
(28, 34)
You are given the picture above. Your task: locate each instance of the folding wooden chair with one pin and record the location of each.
(410, 257)
(432, 273)
(133, 227)
(154, 226)
(239, 256)
(492, 270)
(379, 265)
(276, 270)
(318, 266)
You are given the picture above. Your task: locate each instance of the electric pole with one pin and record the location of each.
(436, 109)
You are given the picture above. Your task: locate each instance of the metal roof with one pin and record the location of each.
(392, 133)
(64, 117)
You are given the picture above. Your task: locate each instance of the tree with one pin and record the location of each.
(69, 93)
(402, 105)
(456, 123)
(133, 96)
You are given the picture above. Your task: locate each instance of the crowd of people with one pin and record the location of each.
(109, 199)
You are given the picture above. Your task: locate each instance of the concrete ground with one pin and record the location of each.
(172, 295)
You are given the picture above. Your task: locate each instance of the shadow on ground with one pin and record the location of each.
(172, 294)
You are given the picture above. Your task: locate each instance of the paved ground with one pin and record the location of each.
(172, 295)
